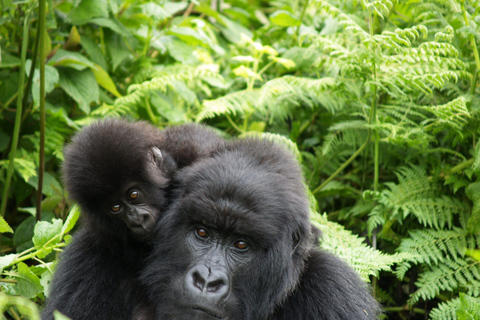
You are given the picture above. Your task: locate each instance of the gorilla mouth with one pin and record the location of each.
(210, 312)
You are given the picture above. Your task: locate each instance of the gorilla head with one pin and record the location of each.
(234, 242)
(115, 172)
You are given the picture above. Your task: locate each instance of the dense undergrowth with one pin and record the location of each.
(378, 99)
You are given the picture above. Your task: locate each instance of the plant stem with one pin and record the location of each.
(475, 50)
(461, 166)
(297, 30)
(32, 70)
(18, 115)
(41, 167)
(344, 165)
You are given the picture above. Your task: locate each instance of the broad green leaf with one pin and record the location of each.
(81, 86)
(70, 59)
(9, 61)
(179, 50)
(4, 227)
(71, 219)
(233, 31)
(117, 49)
(73, 39)
(51, 78)
(154, 11)
(5, 261)
(88, 9)
(105, 81)
(189, 35)
(285, 19)
(50, 203)
(51, 186)
(174, 7)
(28, 284)
(94, 52)
(45, 231)
(112, 24)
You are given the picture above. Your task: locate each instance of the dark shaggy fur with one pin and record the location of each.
(252, 193)
(97, 274)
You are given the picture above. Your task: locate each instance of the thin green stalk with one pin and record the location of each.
(32, 70)
(18, 115)
(42, 30)
(297, 30)
(475, 50)
(461, 166)
(150, 111)
(233, 124)
(343, 166)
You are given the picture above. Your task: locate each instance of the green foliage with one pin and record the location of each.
(377, 99)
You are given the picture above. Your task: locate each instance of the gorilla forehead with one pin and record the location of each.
(234, 191)
(106, 155)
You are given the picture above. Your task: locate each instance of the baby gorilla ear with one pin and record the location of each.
(162, 160)
(155, 156)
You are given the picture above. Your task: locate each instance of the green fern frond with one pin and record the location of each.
(268, 97)
(448, 276)
(343, 19)
(469, 308)
(435, 246)
(114, 111)
(445, 310)
(237, 102)
(454, 114)
(352, 249)
(173, 77)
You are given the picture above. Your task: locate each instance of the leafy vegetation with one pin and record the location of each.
(377, 98)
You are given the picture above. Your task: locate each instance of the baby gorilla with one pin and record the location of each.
(119, 173)
(236, 244)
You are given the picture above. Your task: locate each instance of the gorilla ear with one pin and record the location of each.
(295, 240)
(156, 157)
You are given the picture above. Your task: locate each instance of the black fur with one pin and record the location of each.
(97, 274)
(251, 192)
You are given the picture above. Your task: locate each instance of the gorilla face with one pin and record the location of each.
(119, 177)
(130, 204)
(233, 243)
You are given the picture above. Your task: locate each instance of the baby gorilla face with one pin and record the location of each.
(232, 245)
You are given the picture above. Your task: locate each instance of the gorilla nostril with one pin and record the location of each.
(198, 280)
(215, 286)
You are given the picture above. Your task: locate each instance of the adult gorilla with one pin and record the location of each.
(237, 245)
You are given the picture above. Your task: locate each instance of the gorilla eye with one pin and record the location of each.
(240, 244)
(115, 208)
(133, 195)
(202, 232)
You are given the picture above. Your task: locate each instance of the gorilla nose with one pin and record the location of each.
(207, 282)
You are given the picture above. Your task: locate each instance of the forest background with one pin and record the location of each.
(379, 100)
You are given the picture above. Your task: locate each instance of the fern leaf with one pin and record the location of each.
(447, 276)
(352, 249)
(445, 310)
(435, 246)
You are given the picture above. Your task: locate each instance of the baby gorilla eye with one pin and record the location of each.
(241, 245)
(133, 195)
(202, 232)
(115, 208)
